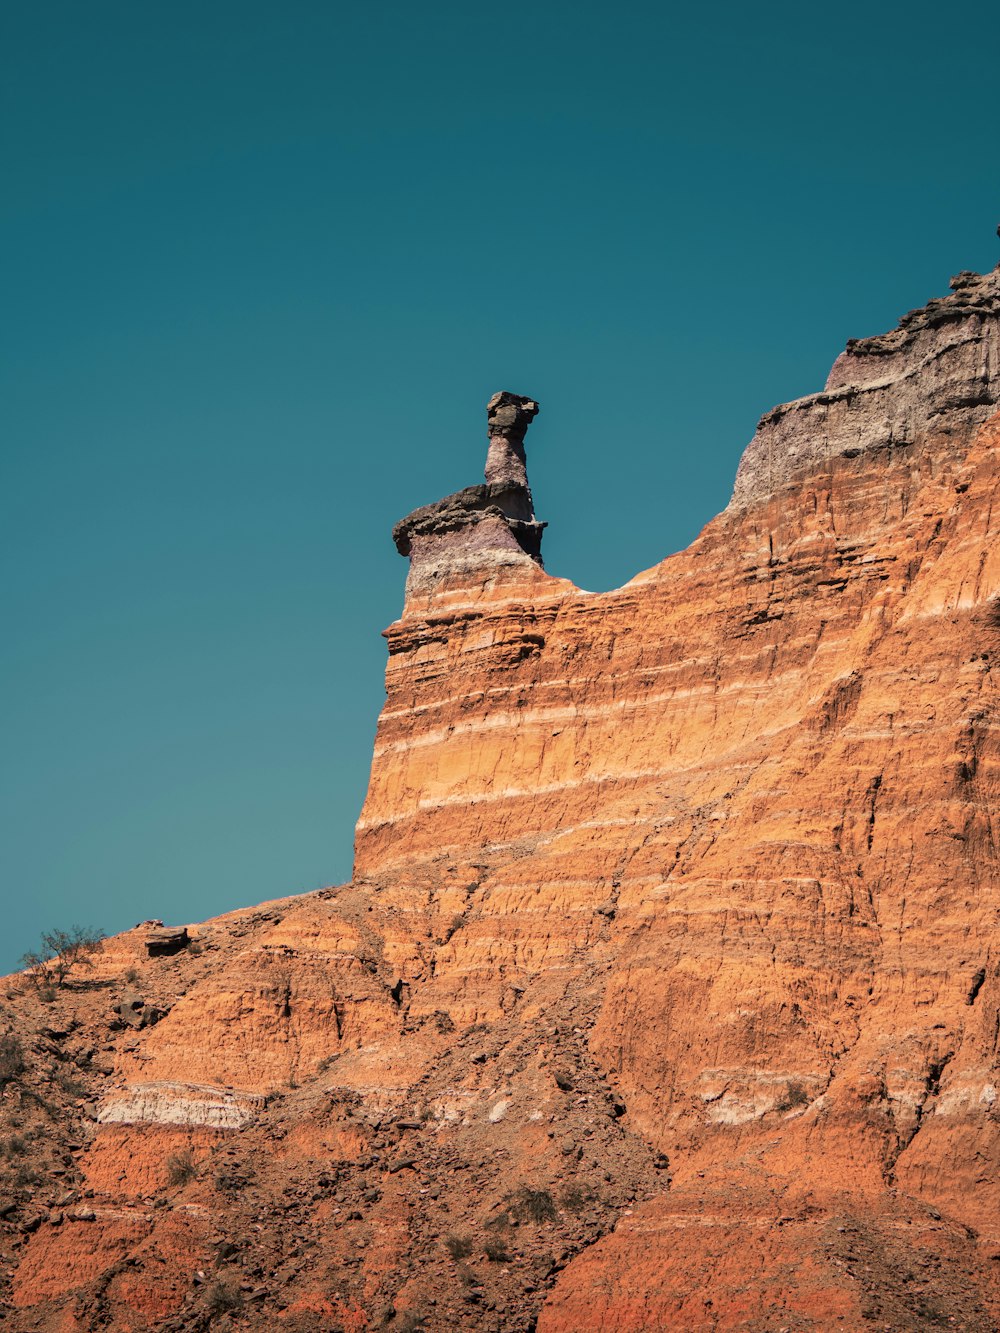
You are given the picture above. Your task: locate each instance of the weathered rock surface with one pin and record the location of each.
(665, 994)
(488, 527)
(936, 375)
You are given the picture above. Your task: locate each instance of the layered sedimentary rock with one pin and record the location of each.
(665, 994)
(935, 376)
(488, 527)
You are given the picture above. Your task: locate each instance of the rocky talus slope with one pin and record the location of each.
(666, 993)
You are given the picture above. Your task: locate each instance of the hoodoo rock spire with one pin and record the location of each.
(475, 533)
(509, 416)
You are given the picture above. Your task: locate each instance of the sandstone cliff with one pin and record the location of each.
(665, 993)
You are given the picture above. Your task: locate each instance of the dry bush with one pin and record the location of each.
(61, 950)
(181, 1167)
(222, 1297)
(530, 1205)
(575, 1198)
(795, 1095)
(459, 1247)
(11, 1059)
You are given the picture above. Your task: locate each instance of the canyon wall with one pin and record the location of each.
(665, 992)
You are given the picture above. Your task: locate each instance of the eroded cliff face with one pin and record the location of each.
(665, 994)
(936, 376)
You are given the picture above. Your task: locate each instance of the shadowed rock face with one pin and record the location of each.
(666, 992)
(484, 529)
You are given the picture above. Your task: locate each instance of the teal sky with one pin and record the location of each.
(263, 266)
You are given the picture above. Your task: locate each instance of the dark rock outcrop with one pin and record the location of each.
(164, 942)
(490, 522)
(509, 416)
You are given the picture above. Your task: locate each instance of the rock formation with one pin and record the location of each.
(935, 376)
(665, 993)
(509, 416)
(483, 527)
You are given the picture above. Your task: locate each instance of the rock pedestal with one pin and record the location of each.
(484, 534)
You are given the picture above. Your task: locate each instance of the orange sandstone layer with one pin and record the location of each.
(665, 993)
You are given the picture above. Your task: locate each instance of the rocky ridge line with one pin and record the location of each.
(937, 374)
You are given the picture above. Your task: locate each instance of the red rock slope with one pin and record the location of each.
(665, 994)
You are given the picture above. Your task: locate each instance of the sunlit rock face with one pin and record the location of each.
(665, 994)
(935, 376)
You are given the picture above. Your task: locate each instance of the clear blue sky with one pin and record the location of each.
(263, 266)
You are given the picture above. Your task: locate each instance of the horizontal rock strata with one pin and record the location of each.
(165, 1103)
(665, 994)
(937, 374)
(489, 526)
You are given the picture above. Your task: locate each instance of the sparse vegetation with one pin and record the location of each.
(534, 1205)
(61, 950)
(456, 924)
(459, 1247)
(131, 976)
(222, 1297)
(63, 1079)
(496, 1251)
(11, 1059)
(181, 1167)
(795, 1095)
(576, 1198)
(525, 1205)
(368, 959)
(43, 1103)
(14, 1146)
